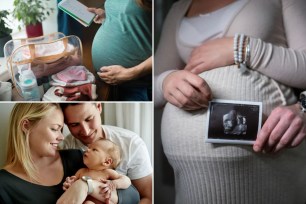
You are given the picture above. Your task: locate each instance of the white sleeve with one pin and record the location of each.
(286, 65)
(166, 58)
(139, 164)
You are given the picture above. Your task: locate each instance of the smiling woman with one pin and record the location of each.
(34, 134)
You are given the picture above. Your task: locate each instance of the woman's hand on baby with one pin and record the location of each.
(285, 127)
(68, 182)
(115, 74)
(212, 54)
(186, 90)
(100, 14)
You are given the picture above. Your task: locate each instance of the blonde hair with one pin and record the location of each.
(145, 4)
(18, 148)
(114, 152)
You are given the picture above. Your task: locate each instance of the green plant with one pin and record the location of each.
(31, 12)
(5, 30)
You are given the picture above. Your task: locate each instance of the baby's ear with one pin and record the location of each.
(108, 161)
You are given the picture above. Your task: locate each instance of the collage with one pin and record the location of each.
(152, 102)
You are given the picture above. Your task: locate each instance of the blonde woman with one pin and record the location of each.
(35, 169)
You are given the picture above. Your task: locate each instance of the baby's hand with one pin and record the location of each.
(68, 182)
(106, 188)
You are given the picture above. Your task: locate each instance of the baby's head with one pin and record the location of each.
(102, 154)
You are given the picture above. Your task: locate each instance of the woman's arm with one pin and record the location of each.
(166, 58)
(71, 179)
(116, 74)
(287, 65)
(284, 64)
(184, 90)
(77, 192)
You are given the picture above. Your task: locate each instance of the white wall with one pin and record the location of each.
(49, 25)
(137, 117)
(5, 111)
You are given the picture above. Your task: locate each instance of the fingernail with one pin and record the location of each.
(256, 148)
(294, 143)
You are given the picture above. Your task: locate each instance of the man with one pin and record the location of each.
(84, 123)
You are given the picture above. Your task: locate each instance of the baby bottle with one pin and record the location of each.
(28, 85)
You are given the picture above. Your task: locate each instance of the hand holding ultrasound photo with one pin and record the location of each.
(235, 122)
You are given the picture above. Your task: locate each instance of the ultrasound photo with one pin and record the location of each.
(233, 121)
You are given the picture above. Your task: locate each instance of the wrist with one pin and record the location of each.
(132, 73)
(167, 76)
(136, 72)
(88, 180)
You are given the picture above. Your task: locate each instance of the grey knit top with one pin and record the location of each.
(217, 174)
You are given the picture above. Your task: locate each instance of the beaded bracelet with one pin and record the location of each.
(241, 51)
(236, 41)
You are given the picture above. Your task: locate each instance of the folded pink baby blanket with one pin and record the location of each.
(72, 73)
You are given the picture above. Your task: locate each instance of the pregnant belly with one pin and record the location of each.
(183, 132)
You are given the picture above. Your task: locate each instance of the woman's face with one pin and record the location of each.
(47, 134)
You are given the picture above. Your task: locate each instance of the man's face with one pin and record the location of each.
(84, 121)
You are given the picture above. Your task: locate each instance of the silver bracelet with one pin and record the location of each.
(241, 51)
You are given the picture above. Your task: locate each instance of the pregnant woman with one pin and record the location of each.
(196, 61)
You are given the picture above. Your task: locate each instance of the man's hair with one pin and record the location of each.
(65, 105)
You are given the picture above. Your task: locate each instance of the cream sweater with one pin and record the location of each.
(213, 174)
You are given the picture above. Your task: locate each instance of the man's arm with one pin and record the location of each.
(120, 181)
(144, 187)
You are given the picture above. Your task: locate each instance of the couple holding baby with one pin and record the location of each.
(36, 170)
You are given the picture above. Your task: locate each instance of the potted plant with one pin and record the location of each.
(32, 13)
(5, 30)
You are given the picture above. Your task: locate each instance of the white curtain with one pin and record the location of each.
(137, 117)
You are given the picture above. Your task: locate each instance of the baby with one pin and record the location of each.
(101, 158)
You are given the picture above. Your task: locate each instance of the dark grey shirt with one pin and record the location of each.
(14, 190)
